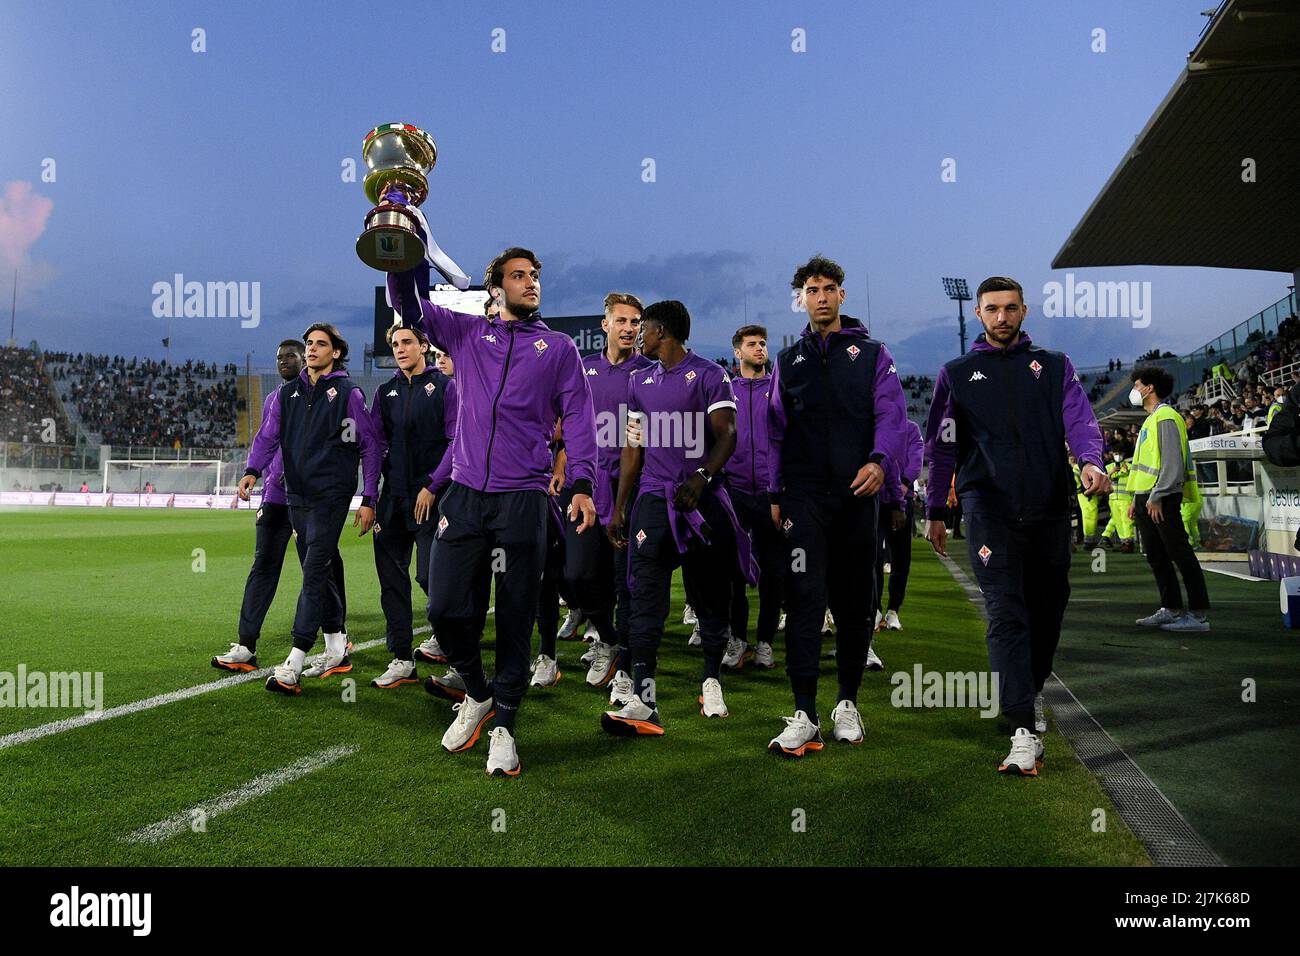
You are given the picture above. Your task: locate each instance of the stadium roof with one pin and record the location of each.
(1177, 198)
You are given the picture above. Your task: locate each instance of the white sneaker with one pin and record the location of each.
(780, 625)
(1161, 617)
(327, 664)
(471, 715)
(399, 672)
(763, 656)
(431, 652)
(590, 634)
(1025, 756)
(284, 680)
(891, 621)
(238, 658)
(737, 650)
(874, 663)
(503, 758)
(799, 737)
(847, 723)
(572, 621)
(620, 689)
(545, 672)
(588, 654)
(603, 661)
(450, 686)
(695, 640)
(1040, 715)
(828, 622)
(1187, 622)
(688, 616)
(879, 617)
(712, 704)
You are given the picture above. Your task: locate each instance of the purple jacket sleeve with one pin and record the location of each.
(915, 450)
(940, 447)
(573, 404)
(445, 328)
(267, 440)
(440, 477)
(376, 414)
(372, 446)
(775, 435)
(891, 415)
(1081, 429)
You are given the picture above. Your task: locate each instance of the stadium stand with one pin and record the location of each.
(27, 402)
(124, 402)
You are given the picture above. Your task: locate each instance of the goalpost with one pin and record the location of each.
(199, 476)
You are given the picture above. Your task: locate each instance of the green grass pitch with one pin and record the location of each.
(118, 592)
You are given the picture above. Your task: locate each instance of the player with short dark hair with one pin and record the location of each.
(414, 414)
(746, 476)
(682, 514)
(1001, 418)
(320, 423)
(836, 428)
(514, 378)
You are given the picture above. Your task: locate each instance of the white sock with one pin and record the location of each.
(296, 658)
(335, 644)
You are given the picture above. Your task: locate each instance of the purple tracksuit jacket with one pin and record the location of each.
(747, 470)
(273, 477)
(514, 378)
(609, 384)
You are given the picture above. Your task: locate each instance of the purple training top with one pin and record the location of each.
(747, 469)
(609, 384)
(677, 404)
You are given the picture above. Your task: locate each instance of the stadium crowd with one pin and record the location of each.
(143, 402)
(27, 402)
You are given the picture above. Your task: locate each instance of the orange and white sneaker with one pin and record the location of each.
(546, 673)
(800, 736)
(284, 680)
(471, 715)
(1026, 755)
(329, 664)
(238, 658)
(636, 719)
(399, 672)
(503, 758)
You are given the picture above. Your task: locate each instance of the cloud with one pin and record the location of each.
(23, 215)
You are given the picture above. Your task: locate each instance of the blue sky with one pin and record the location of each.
(226, 165)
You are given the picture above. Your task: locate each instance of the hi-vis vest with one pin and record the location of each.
(1146, 457)
(1119, 474)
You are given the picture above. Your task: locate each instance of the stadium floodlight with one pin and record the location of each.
(958, 290)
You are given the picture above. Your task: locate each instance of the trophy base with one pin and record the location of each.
(390, 242)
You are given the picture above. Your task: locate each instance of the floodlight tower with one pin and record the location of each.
(958, 290)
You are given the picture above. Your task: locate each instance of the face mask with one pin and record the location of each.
(1135, 397)
(1118, 458)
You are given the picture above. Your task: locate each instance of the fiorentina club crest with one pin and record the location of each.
(442, 525)
(540, 345)
(985, 554)
(428, 388)
(332, 393)
(640, 537)
(853, 351)
(1037, 370)
(690, 376)
(787, 524)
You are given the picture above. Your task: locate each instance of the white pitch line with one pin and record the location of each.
(95, 717)
(257, 787)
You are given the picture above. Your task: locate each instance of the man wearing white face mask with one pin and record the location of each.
(1161, 480)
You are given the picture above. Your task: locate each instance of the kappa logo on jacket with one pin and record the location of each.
(392, 394)
(978, 377)
(797, 360)
(592, 371)
(295, 394)
(649, 380)
(490, 338)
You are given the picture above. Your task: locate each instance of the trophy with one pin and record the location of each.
(396, 237)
